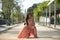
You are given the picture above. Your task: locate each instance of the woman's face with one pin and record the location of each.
(30, 20)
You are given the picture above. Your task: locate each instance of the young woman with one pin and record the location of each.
(29, 29)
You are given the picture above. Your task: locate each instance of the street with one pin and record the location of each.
(43, 33)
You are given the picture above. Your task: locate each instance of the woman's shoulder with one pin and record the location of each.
(25, 26)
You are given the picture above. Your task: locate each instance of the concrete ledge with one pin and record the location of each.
(8, 27)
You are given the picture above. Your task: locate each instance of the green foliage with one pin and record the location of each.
(7, 6)
(57, 1)
(1, 15)
(38, 8)
(9, 12)
(32, 8)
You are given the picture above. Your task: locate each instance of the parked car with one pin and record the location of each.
(3, 21)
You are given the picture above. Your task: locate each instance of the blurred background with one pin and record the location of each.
(46, 13)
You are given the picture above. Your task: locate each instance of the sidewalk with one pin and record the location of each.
(5, 27)
(50, 26)
(47, 32)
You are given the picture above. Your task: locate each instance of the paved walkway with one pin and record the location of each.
(44, 33)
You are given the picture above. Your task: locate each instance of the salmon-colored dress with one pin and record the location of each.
(26, 32)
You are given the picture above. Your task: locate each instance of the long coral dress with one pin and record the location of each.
(26, 32)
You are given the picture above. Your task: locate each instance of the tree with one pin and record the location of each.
(1, 15)
(36, 9)
(57, 1)
(40, 7)
(8, 10)
(30, 9)
(18, 12)
(7, 6)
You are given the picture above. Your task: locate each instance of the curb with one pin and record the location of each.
(49, 27)
(9, 28)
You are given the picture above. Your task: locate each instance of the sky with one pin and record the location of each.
(28, 3)
(25, 4)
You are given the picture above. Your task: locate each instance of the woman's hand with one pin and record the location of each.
(35, 31)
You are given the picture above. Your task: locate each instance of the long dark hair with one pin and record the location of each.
(27, 17)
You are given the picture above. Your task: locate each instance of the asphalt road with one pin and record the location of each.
(43, 33)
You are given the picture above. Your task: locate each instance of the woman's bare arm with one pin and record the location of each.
(35, 32)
